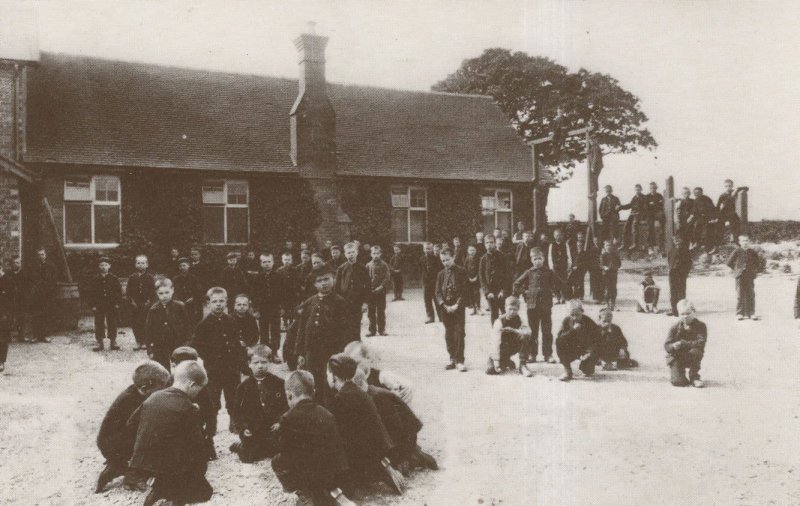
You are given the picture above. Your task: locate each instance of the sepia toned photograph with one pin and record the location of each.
(399, 252)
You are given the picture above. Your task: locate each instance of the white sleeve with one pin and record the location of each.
(397, 384)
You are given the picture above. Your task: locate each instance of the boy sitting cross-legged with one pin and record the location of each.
(260, 402)
(509, 337)
(613, 347)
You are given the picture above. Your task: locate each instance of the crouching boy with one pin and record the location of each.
(116, 438)
(613, 347)
(311, 456)
(685, 346)
(649, 292)
(169, 441)
(509, 337)
(577, 340)
(260, 403)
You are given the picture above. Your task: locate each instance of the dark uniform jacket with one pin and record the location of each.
(726, 204)
(703, 207)
(536, 285)
(268, 287)
(246, 329)
(612, 340)
(141, 289)
(679, 260)
(320, 331)
(495, 273)
(401, 423)
(167, 327)
(472, 265)
(188, 289)
(684, 208)
(216, 341)
(745, 263)
(608, 208)
(202, 271)
(104, 291)
(311, 447)
(19, 280)
(587, 337)
(637, 205)
(522, 258)
(364, 435)
(352, 283)
(259, 404)
(169, 440)
(429, 265)
(396, 263)
(451, 287)
(116, 438)
(290, 288)
(655, 205)
(610, 260)
(684, 338)
(560, 256)
(379, 274)
(233, 280)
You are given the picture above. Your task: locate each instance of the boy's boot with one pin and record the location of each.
(392, 477)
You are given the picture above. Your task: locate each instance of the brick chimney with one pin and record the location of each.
(313, 137)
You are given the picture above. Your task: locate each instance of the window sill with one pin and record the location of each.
(92, 246)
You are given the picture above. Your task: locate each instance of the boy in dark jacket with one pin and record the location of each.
(612, 349)
(745, 263)
(536, 285)
(215, 339)
(472, 267)
(685, 347)
(104, 297)
(260, 403)
(610, 263)
(116, 439)
(169, 442)
(268, 287)
(208, 415)
(246, 325)
(353, 285)
(578, 339)
(189, 291)
(167, 325)
(396, 266)
(141, 293)
(452, 295)
(495, 278)
(232, 279)
(680, 264)
(429, 265)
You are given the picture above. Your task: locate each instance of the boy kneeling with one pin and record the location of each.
(577, 340)
(116, 438)
(510, 337)
(685, 346)
(613, 347)
(311, 454)
(260, 402)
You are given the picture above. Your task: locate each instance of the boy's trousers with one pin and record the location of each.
(397, 283)
(745, 296)
(679, 363)
(105, 324)
(576, 283)
(376, 312)
(677, 289)
(226, 384)
(537, 317)
(596, 285)
(261, 445)
(183, 489)
(138, 319)
(569, 351)
(454, 333)
(610, 285)
(497, 306)
(271, 329)
(427, 295)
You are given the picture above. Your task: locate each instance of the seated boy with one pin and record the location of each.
(685, 346)
(116, 439)
(260, 402)
(509, 337)
(647, 301)
(311, 454)
(169, 442)
(577, 340)
(366, 441)
(401, 423)
(246, 325)
(368, 359)
(612, 349)
(208, 416)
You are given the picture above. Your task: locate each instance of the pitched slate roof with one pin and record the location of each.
(90, 111)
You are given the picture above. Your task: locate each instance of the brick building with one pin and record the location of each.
(111, 156)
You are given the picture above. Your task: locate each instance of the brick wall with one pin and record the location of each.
(9, 216)
(7, 109)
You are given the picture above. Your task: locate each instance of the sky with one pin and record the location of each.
(718, 79)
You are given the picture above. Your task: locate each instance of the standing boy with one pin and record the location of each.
(654, 214)
(560, 262)
(116, 438)
(680, 264)
(43, 296)
(189, 291)
(472, 267)
(104, 297)
(745, 263)
(610, 263)
(290, 284)
(247, 331)
(19, 280)
(536, 285)
(321, 329)
(141, 292)
(167, 325)
(268, 288)
(429, 265)
(609, 213)
(396, 266)
(703, 213)
(685, 347)
(201, 270)
(451, 296)
(353, 285)
(726, 209)
(495, 278)
(522, 256)
(232, 279)
(580, 264)
(379, 278)
(169, 442)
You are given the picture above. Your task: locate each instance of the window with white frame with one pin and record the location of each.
(409, 214)
(496, 208)
(92, 210)
(226, 217)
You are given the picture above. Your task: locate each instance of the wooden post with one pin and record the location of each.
(741, 211)
(669, 215)
(592, 197)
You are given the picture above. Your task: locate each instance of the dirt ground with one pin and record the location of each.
(625, 438)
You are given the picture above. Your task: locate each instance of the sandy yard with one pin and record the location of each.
(625, 438)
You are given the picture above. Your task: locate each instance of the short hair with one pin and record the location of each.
(336, 247)
(653, 183)
(608, 241)
(148, 373)
(316, 254)
(305, 252)
(182, 354)
(376, 247)
(607, 187)
(141, 255)
(324, 270)
(191, 370)
(215, 290)
(358, 350)
(512, 301)
(232, 254)
(536, 251)
(287, 254)
(259, 350)
(637, 185)
(267, 254)
(558, 229)
(685, 304)
(300, 384)
(488, 238)
(242, 296)
(342, 366)
(446, 251)
(427, 243)
(574, 304)
(728, 181)
(359, 377)
(698, 188)
(350, 245)
(163, 283)
(606, 310)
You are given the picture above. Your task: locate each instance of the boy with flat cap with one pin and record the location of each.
(104, 295)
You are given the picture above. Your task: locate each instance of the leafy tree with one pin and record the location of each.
(540, 97)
